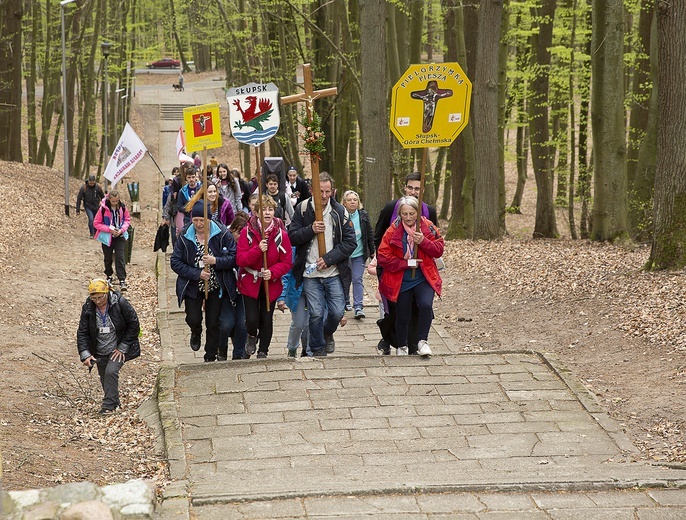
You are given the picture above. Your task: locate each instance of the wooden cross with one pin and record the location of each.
(308, 97)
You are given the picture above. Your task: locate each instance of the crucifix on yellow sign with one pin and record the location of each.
(308, 97)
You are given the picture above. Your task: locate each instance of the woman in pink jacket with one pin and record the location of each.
(264, 233)
(111, 225)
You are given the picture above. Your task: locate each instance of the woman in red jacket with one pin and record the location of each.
(405, 277)
(254, 241)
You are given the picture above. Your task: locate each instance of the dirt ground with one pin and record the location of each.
(620, 330)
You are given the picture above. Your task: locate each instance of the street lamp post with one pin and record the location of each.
(105, 48)
(65, 119)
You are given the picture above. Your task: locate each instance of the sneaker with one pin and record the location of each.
(122, 286)
(383, 348)
(330, 343)
(107, 411)
(251, 345)
(319, 353)
(401, 351)
(221, 358)
(109, 280)
(359, 313)
(292, 352)
(195, 341)
(423, 348)
(261, 355)
(348, 307)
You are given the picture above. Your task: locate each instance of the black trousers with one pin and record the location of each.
(115, 251)
(213, 308)
(258, 320)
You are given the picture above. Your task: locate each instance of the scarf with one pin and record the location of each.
(409, 231)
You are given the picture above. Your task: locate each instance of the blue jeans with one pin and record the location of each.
(357, 269)
(299, 326)
(232, 317)
(326, 303)
(91, 216)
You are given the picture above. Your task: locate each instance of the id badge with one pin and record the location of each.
(201, 264)
(104, 330)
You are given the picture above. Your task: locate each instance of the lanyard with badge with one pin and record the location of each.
(103, 328)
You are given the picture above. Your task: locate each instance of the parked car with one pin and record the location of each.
(164, 63)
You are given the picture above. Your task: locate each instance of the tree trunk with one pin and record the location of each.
(641, 202)
(669, 241)
(522, 153)
(640, 92)
(610, 200)
(487, 171)
(10, 85)
(31, 80)
(375, 158)
(585, 172)
(541, 149)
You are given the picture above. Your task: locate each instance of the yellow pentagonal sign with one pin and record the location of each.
(430, 105)
(202, 127)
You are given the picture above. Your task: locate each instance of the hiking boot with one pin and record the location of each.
(122, 286)
(423, 348)
(401, 351)
(261, 355)
(195, 340)
(359, 313)
(107, 411)
(251, 345)
(319, 353)
(383, 348)
(330, 343)
(292, 352)
(209, 360)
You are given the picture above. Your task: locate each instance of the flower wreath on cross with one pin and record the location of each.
(312, 134)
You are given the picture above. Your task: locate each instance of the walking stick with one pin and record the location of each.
(259, 205)
(421, 203)
(204, 212)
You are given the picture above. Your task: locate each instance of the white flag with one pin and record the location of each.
(130, 149)
(180, 143)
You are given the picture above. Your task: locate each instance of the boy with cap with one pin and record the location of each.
(91, 194)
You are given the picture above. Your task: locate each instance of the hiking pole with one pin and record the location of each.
(204, 211)
(259, 205)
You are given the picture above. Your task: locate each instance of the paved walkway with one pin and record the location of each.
(507, 435)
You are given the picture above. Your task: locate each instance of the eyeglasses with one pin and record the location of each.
(98, 296)
(413, 188)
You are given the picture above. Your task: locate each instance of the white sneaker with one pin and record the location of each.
(423, 348)
(401, 351)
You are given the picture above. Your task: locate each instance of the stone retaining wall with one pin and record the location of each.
(133, 500)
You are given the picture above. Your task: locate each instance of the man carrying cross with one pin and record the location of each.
(322, 272)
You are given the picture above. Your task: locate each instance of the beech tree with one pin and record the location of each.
(10, 79)
(669, 239)
(610, 203)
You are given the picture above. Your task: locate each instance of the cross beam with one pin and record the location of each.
(308, 98)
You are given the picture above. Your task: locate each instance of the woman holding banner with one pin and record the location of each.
(263, 257)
